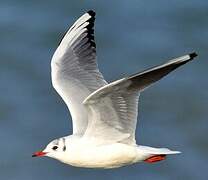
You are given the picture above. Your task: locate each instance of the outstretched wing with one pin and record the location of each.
(75, 74)
(113, 108)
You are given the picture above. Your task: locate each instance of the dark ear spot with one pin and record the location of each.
(64, 147)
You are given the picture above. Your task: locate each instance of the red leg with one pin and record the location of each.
(155, 158)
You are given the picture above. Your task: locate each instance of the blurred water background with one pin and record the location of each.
(131, 36)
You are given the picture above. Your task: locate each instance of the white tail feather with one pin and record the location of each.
(151, 150)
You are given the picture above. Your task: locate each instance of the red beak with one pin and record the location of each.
(39, 153)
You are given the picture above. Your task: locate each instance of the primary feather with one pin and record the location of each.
(74, 70)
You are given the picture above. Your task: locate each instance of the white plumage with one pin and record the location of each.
(104, 115)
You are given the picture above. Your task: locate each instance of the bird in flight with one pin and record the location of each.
(104, 115)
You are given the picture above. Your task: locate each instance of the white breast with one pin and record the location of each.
(103, 156)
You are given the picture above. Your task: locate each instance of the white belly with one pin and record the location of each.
(103, 156)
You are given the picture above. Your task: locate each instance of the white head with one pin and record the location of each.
(55, 149)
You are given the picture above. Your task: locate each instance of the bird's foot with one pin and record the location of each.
(155, 158)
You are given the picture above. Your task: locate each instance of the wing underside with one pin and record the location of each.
(75, 74)
(112, 109)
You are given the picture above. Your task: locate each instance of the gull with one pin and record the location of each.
(104, 115)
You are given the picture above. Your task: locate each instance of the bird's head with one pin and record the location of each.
(54, 149)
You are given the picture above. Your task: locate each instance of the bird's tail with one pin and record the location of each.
(151, 150)
(152, 155)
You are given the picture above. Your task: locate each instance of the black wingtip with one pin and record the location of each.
(193, 55)
(91, 13)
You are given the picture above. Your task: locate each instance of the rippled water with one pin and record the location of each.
(130, 36)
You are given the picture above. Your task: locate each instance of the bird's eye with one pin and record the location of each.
(55, 147)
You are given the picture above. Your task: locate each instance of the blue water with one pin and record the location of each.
(131, 36)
